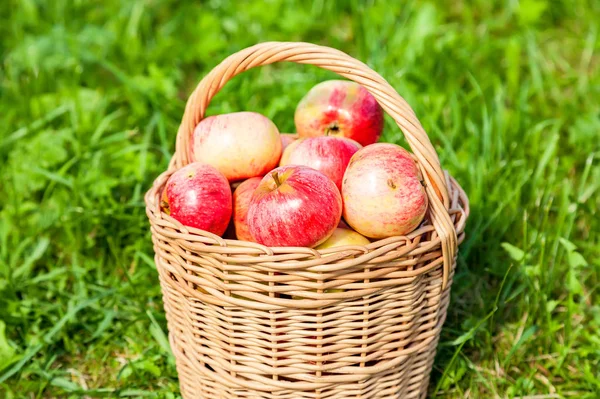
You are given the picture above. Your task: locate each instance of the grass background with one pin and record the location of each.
(91, 93)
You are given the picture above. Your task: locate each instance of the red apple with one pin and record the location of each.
(294, 206)
(288, 150)
(198, 195)
(241, 201)
(240, 145)
(340, 108)
(329, 155)
(383, 192)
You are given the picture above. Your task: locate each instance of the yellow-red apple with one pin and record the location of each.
(240, 145)
(340, 108)
(341, 237)
(383, 192)
(285, 155)
(286, 139)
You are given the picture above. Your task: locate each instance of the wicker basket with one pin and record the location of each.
(247, 321)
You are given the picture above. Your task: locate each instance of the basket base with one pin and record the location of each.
(408, 381)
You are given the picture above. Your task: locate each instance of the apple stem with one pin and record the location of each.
(333, 127)
(276, 178)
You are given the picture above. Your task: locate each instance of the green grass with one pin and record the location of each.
(91, 94)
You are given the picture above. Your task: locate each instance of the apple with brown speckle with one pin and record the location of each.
(383, 192)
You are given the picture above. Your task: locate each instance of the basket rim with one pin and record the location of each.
(233, 249)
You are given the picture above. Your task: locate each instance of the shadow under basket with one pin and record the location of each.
(248, 321)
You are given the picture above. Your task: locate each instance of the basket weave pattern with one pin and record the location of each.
(248, 321)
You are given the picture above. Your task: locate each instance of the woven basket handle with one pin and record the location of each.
(344, 65)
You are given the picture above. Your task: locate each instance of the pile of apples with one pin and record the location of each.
(279, 191)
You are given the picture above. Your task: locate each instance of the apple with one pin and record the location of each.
(341, 237)
(294, 206)
(241, 201)
(343, 225)
(340, 108)
(198, 195)
(327, 154)
(286, 139)
(240, 145)
(288, 150)
(383, 192)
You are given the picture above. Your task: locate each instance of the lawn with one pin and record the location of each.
(91, 93)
